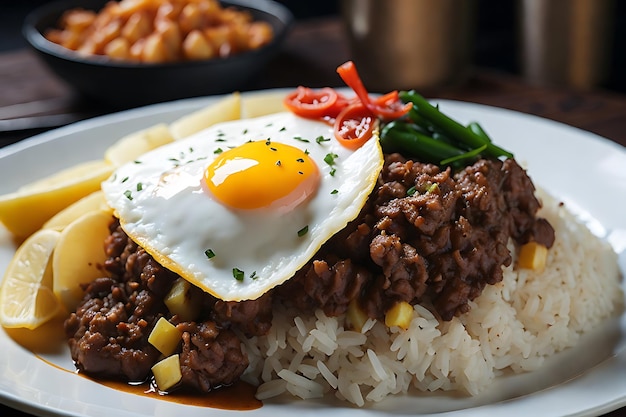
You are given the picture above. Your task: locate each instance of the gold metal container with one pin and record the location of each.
(404, 44)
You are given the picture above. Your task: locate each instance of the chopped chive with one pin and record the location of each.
(303, 231)
(300, 160)
(273, 148)
(301, 139)
(321, 139)
(137, 162)
(330, 158)
(253, 275)
(411, 191)
(238, 274)
(334, 192)
(245, 131)
(124, 179)
(278, 163)
(332, 172)
(139, 186)
(300, 172)
(128, 194)
(218, 151)
(306, 152)
(220, 140)
(282, 129)
(209, 253)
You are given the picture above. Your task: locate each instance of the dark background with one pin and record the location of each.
(495, 46)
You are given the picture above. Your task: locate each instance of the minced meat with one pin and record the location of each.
(426, 236)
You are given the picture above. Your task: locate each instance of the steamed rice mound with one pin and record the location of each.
(513, 326)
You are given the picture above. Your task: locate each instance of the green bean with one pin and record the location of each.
(451, 127)
(478, 129)
(396, 137)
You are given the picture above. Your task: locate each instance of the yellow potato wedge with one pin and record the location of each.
(131, 146)
(93, 202)
(256, 105)
(79, 256)
(226, 109)
(26, 210)
(26, 297)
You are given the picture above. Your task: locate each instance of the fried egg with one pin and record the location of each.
(239, 208)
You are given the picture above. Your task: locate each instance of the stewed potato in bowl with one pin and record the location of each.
(128, 53)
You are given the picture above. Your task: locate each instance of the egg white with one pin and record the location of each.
(163, 206)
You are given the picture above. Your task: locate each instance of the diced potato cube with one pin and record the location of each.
(356, 316)
(532, 255)
(167, 372)
(184, 300)
(399, 315)
(165, 337)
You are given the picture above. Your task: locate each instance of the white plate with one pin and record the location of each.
(586, 171)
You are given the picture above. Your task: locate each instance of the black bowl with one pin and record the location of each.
(124, 85)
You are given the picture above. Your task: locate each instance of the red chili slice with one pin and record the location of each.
(354, 126)
(310, 103)
(387, 107)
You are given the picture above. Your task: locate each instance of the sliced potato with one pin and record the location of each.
(79, 256)
(256, 105)
(131, 146)
(226, 109)
(27, 209)
(93, 202)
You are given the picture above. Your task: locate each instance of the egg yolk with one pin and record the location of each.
(262, 174)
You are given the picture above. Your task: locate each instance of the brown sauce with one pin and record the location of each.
(239, 396)
(236, 397)
(49, 339)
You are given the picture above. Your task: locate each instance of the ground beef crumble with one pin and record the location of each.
(425, 235)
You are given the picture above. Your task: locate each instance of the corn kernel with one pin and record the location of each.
(400, 315)
(165, 337)
(167, 372)
(532, 255)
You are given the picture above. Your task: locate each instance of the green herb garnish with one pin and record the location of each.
(321, 139)
(238, 274)
(303, 231)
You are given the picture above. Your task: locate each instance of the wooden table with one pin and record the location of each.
(310, 55)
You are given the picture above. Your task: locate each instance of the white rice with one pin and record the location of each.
(513, 325)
